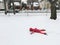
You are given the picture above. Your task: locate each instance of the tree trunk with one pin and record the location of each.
(53, 11)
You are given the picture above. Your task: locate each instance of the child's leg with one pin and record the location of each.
(43, 30)
(45, 33)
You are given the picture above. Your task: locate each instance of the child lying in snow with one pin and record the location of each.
(35, 30)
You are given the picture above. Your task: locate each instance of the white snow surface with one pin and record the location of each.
(14, 29)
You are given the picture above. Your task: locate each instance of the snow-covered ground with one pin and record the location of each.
(14, 29)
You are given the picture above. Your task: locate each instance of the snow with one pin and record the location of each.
(14, 29)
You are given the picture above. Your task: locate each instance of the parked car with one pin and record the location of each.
(1, 5)
(35, 5)
(58, 5)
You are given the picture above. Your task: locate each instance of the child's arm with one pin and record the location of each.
(31, 32)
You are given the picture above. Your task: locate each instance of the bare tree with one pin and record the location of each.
(53, 9)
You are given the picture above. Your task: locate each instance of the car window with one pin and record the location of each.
(17, 3)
